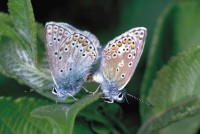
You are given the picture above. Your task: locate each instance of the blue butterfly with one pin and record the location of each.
(119, 60)
(71, 53)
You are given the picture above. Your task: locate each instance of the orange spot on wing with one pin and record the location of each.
(119, 44)
(68, 42)
(132, 46)
(124, 41)
(129, 41)
(75, 38)
(92, 57)
(85, 43)
(88, 49)
(113, 47)
(80, 40)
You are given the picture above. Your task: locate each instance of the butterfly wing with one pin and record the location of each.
(81, 49)
(56, 34)
(121, 56)
(71, 52)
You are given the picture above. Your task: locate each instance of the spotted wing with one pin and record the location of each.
(71, 52)
(121, 56)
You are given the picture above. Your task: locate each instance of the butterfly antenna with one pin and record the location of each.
(54, 80)
(86, 90)
(148, 104)
(126, 99)
(72, 96)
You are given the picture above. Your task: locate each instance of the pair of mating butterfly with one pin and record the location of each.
(72, 52)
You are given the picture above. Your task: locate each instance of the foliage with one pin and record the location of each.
(170, 82)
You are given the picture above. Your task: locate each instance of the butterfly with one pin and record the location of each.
(71, 54)
(119, 60)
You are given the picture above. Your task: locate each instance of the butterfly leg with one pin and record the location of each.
(86, 90)
(54, 80)
(72, 96)
(105, 97)
(96, 90)
(110, 101)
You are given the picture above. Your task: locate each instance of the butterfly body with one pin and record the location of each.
(119, 60)
(71, 53)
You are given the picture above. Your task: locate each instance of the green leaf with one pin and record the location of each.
(42, 58)
(92, 113)
(186, 24)
(176, 31)
(161, 43)
(23, 19)
(3, 71)
(56, 114)
(64, 115)
(81, 128)
(5, 18)
(7, 31)
(174, 93)
(191, 126)
(101, 129)
(15, 117)
(16, 61)
(41, 51)
(104, 118)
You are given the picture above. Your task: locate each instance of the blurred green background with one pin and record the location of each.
(173, 27)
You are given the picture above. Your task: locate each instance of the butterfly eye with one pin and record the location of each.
(120, 96)
(54, 91)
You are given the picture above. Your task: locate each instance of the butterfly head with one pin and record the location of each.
(119, 97)
(115, 95)
(57, 93)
